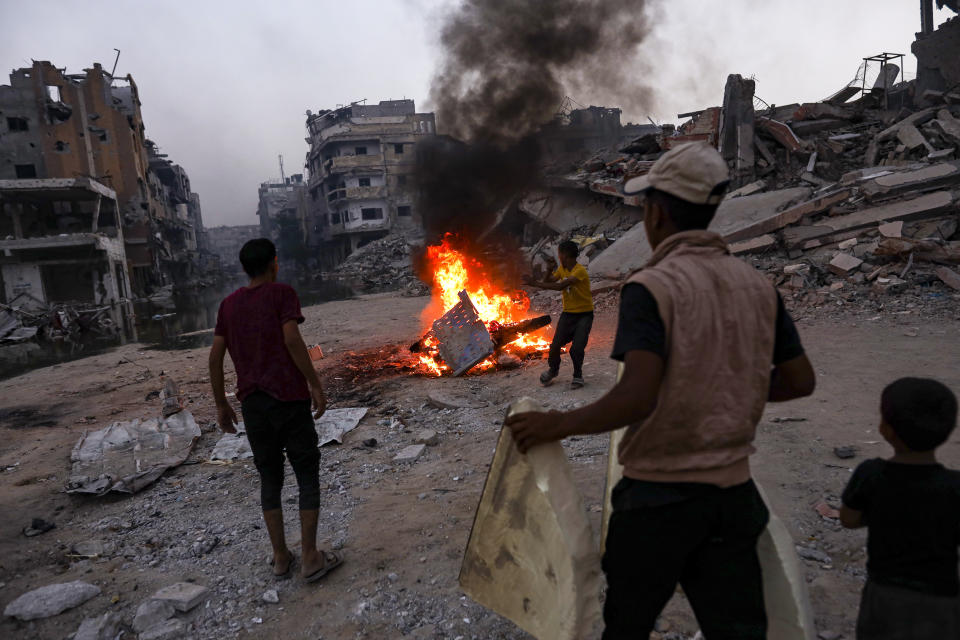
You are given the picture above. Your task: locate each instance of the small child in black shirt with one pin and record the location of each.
(911, 506)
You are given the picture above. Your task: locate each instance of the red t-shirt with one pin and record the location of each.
(251, 321)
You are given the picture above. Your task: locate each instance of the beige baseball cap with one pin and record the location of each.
(694, 172)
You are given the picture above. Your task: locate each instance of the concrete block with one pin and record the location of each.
(848, 244)
(152, 612)
(949, 277)
(50, 600)
(844, 264)
(892, 229)
(410, 454)
(428, 437)
(182, 595)
(167, 630)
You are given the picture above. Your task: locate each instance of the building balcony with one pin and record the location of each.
(340, 164)
(341, 229)
(357, 193)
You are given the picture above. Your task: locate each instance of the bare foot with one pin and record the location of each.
(281, 563)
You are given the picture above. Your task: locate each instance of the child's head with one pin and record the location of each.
(568, 252)
(920, 413)
(258, 257)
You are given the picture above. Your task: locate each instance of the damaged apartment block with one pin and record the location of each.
(63, 246)
(360, 163)
(55, 125)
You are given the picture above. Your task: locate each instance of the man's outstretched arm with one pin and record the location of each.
(631, 400)
(301, 357)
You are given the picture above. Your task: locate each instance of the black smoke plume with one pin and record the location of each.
(506, 67)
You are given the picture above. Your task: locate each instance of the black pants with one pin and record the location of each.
(895, 613)
(708, 544)
(575, 328)
(272, 428)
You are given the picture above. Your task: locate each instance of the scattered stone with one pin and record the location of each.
(845, 453)
(168, 630)
(443, 400)
(813, 554)
(370, 443)
(848, 244)
(826, 510)
(829, 635)
(106, 627)
(891, 285)
(509, 361)
(793, 269)
(427, 437)
(38, 526)
(93, 548)
(949, 277)
(151, 613)
(50, 600)
(892, 229)
(410, 453)
(836, 286)
(182, 595)
(271, 596)
(844, 264)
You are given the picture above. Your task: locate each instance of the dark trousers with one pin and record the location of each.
(575, 328)
(895, 613)
(274, 427)
(707, 544)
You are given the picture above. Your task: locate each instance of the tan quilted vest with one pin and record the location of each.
(720, 315)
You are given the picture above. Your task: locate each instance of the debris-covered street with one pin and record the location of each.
(402, 526)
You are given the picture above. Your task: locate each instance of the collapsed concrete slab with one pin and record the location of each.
(632, 250)
(926, 179)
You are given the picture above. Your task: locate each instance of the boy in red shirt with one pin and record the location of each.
(276, 381)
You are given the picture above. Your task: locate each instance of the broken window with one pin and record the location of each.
(372, 213)
(103, 136)
(403, 210)
(25, 171)
(61, 147)
(335, 218)
(17, 124)
(398, 148)
(364, 182)
(360, 151)
(53, 92)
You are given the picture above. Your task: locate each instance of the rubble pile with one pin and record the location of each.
(28, 319)
(839, 201)
(383, 265)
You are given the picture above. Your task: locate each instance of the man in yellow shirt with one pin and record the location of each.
(573, 281)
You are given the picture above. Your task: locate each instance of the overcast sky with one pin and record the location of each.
(225, 85)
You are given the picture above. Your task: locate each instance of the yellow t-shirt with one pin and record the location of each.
(577, 297)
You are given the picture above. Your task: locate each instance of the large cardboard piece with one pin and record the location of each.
(531, 556)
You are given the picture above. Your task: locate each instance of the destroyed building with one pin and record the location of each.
(225, 243)
(59, 125)
(360, 162)
(282, 210)
(62, 259)
(587, 129)
(938, 66)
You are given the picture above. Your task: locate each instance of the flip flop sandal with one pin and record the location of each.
(286, 574)
(333, 560)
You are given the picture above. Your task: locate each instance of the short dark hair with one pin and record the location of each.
(685, 215)
(570, 248)
(256, 256)
(922, 412)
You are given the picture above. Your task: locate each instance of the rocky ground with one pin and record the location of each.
(403, 528)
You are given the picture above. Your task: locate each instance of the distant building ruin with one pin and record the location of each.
(360, 163)
(89, 125)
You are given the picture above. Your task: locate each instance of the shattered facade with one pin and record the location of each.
(63, 257)
(225, 243)
(283, 217)
(360, 162)
(59, 125)
(938, 65)
(588, 129)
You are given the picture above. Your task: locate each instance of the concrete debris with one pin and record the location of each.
(891, 229)
(427, 437)
(151, 613)
(184, 596)
(270, 596)
(383, 265)
(51, 600)
(172, 629)
(410, 453)
(844, 264)
(808, 553)
(949, 277)
(105, 627)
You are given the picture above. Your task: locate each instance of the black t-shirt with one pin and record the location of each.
(913, 517)
(641, 328)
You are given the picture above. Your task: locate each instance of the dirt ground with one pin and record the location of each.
(402, 528)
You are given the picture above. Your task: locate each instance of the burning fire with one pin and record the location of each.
(452, 271)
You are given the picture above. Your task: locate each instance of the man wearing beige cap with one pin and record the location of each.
(705, 342)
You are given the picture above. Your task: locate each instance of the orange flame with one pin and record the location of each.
(451, 271)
